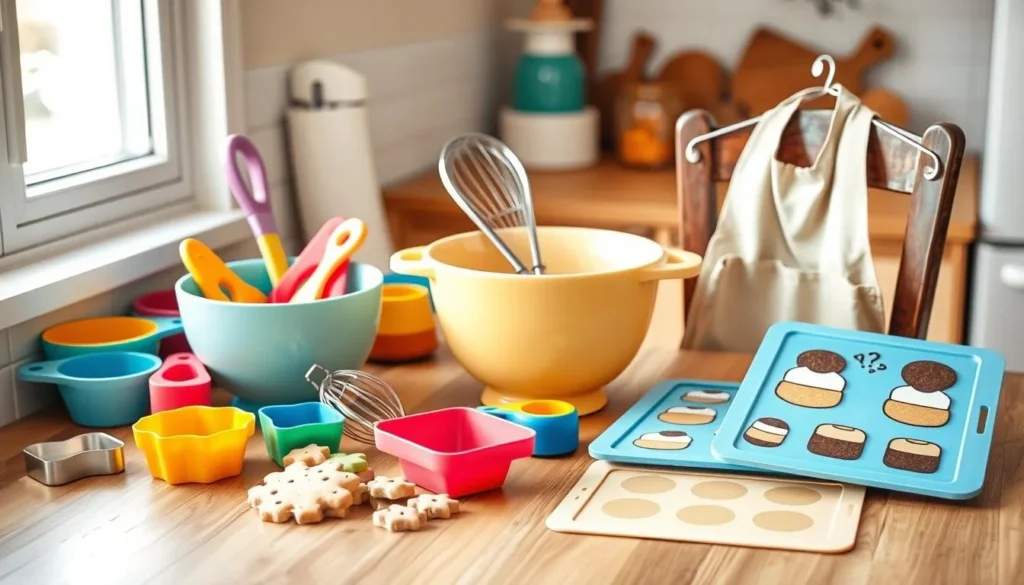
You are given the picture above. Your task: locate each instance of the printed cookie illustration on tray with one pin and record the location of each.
(707, 396)
(767, 432)
(816, 402)
(913, 455)
(672, 425)
(816, 382)
(688, 415)
(664, 441)
(922, 402)
(837, 441)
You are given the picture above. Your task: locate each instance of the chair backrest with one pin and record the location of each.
(891, 165)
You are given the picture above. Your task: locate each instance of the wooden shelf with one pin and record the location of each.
(609, 195)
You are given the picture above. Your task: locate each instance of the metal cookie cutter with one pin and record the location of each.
(62, 462)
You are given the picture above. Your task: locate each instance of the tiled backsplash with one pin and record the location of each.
(20, 343)
(420, 95)
(940, 67)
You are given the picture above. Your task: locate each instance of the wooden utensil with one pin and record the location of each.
(888, 105)
(612, 84)
(773, 68)
(698, 77)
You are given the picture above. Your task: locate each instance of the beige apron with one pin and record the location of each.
(792, 242)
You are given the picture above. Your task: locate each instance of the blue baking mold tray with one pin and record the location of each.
(635, 436)
(865, 408)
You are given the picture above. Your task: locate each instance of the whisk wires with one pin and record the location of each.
(363, 399)
(489, 183)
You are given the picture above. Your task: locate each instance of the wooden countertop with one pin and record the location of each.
(130, 528)
(611, 194)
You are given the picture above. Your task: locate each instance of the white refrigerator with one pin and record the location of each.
(996, 317)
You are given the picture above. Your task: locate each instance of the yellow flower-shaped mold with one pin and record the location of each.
(195, 444)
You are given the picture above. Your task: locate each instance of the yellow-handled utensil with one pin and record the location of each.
(213, 277)
(256, 203)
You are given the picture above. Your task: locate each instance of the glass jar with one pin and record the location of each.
(646, 114)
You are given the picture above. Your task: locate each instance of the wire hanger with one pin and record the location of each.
(817, 68)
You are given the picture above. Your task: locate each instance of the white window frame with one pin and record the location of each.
(86, 200)
(48, 277)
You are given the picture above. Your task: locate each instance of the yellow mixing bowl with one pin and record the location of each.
(562, 335)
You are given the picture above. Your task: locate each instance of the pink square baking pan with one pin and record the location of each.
(456, 451)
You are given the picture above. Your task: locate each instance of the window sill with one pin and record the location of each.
(43, 285)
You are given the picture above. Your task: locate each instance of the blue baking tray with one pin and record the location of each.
(912, 440)
(617, 442)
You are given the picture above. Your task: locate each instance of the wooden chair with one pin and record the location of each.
(891, 165)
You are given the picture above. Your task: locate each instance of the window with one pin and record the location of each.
(92, 115)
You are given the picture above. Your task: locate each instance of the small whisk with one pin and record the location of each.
(361, 398)
(487, 180)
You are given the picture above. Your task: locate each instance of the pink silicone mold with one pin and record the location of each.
(456, 451)
(181, 381)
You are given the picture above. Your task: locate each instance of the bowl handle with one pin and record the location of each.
(412, 261)
(166, 326)
(495, 411)
(678, 264)
(45, 372)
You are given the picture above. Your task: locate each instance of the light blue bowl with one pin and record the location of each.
(99, 389)
(261, 352)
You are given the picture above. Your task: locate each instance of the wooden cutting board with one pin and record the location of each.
(698, 77)
(775, 67)
(608, 89)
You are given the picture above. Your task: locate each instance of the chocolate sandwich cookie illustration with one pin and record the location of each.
(688, 415)
(706, 396)
(664, 441)
(837, 441)
(922, 402)
(816, 381)
(913, 455)
(767, 432)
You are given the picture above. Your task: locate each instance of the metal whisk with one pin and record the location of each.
(361, 398)
(487, 180)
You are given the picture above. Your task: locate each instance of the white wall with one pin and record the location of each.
(940, 67)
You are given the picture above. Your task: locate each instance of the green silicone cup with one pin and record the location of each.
(293, 426)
